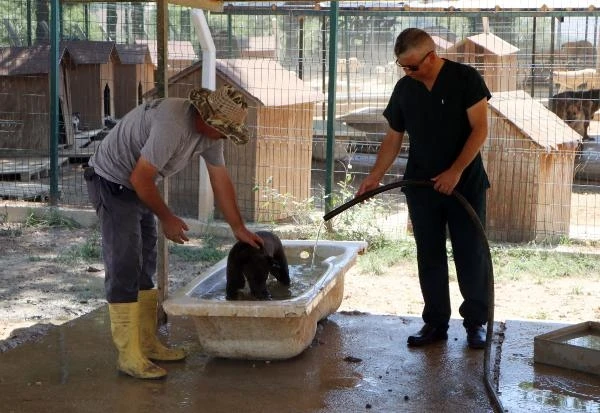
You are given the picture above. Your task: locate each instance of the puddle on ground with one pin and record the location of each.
(555, 395)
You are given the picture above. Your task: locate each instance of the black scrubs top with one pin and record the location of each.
(437, 123)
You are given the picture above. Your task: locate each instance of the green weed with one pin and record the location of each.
(89, 251)
(301, 212)
(52, 218)
(577, 290)
(544, 265)
(377, 261)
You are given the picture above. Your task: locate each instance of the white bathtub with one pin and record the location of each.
(266, 330)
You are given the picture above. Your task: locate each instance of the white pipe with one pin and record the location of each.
(209, 52)
(209, 81)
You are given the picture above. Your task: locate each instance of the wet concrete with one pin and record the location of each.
(357, 362)
(534, 387)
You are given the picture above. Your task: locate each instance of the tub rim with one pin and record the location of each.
(182, 304)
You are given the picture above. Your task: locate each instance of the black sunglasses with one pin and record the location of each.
(414, 68)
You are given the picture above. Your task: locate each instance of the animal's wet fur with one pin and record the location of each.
(246, 263)
(576, 108)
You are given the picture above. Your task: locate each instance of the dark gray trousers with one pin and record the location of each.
(129, 238)
(431, 213)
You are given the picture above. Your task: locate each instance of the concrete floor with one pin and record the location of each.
(357, 363)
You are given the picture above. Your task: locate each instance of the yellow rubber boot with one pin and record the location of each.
(125, 328)
(151, 345)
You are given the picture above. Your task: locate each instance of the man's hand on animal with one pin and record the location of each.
(248, 237)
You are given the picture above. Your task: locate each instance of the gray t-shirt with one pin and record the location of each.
(163, 131)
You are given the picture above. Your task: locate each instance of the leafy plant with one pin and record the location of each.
(514, 262)
(89, 251)
(577, 290)
(300, 212)
(362, 221)
(376, 261)
(51, 218)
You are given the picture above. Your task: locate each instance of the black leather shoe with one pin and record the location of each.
(476, 337)
(427, 335)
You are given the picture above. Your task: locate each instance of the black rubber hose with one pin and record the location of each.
(492, 394)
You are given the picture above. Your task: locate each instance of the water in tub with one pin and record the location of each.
(316, 242)
(303, 274)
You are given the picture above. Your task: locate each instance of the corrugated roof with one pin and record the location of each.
(268, 81)
(533, 119)
(20, 61)
(86, 52)
(133, 54)
(491, 43)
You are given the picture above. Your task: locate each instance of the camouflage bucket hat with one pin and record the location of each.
(224, 109)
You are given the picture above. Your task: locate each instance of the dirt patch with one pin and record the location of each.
(397, 291)
(40, 287)
(42, 281)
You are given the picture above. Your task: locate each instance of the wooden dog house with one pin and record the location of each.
(584, 79)
(493, 57)
(134, 76)
(92, 81)
(529, 156)
(275, 165)
(259, 47)
(25, 103)
(180, 55)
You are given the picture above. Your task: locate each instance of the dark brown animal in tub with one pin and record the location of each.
(246, 263)
(576, 108)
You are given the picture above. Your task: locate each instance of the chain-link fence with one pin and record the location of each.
(540, 64)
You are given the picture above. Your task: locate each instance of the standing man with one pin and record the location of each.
(442, 105)
(154, 141)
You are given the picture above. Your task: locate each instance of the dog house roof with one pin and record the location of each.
(262, 79)
(133, 54)
(86, 52)
(534, 120)
(489, 42)
(267, 81)
(176, 49)
(34, 60)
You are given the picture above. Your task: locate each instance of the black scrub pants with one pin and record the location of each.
(431, 213)
(129, 238)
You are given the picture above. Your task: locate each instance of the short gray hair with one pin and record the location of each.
(412, 38)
